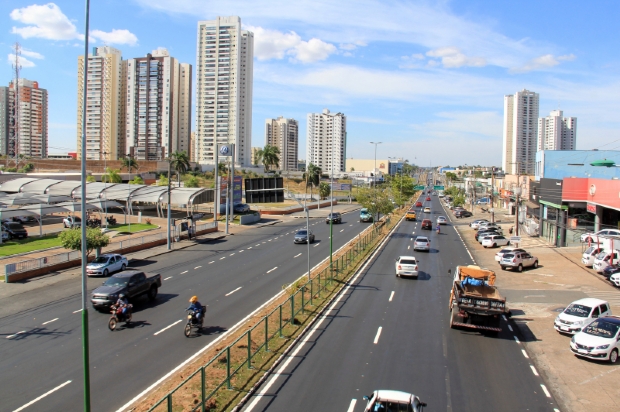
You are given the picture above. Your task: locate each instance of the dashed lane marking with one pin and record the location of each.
(377, 336)
(232, 254)
(15, 334)
(230, 293)
(534, 371)
(168, 327)
(510, 327)
(544, 388)
(516, 339)
(408, 247)
(352, 405)
(213, 261)
(42, 396)
(271, 270)
(182, 273)
(240, 251)
(342, 231)
(318, 244)
(222, 258)
(391, 295)
(169, 277)
(76, 311)
(49, 321)
(259, 244)
(250, 248)
(297, 255)
(197, 267)
(524, 353)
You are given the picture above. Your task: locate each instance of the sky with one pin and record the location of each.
(425, 78)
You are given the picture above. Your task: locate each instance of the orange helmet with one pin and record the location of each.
(193, 299)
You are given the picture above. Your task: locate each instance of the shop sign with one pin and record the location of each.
(591, 208)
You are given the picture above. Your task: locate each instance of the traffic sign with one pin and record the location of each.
(418, 187)
(515, 239)
(439, 188)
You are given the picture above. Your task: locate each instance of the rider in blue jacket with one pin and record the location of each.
(196, 307)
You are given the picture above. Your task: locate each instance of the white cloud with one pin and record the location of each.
(452, 57)
(45, 21)
(543, 62)
(412, 62)
(32, 54)
(273, 44)
(116, 36)
(24, 62)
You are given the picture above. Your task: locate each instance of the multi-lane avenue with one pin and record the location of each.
(387, 332)
(40, 349)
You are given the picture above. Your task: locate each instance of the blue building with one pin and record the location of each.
(558, 164)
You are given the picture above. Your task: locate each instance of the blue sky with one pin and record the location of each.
(427, 78)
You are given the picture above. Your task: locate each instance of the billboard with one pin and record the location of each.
(237, 192)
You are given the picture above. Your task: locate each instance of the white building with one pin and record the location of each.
(284, 134)
(158, 105)
(556, 132)
(224, 65)
(327, 132)
(520, 132)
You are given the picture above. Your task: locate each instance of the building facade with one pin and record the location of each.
(105, 131)
(157, 106)
(284, 134)
(520, 134)
(224, 65)
(327, 139)
(5, 115)
(556, 132)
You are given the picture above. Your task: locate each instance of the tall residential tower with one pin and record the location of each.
(327, 132)
(284, 134)
(520, 132)
(556, 132)
(224, 66)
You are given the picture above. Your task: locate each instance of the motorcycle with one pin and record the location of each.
(193, 322)
(111, 220)
(438, 229)
(94, 223)
(118, 316)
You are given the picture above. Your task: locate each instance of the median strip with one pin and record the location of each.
(168, 327)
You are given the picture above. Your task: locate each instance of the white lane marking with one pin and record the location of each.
(197, 267)
(240, 251)
(342, 230)
(169, 277)
(184, 272)
(250, 248)
(49, 321)
(350, 225)
(269, 240)
(168, 327)
(408, 247)
(76, 311)
(516, 339)
(411, 239)
(230, 293)
(42, 396)
(222, 258)
(213, 261)
(534, 370)
(259, 244)
(544, 388)
(15, 334)
(352, 405)
(271, 270)
(510, 327)
(377, 336)
(232, 254)
(318, 244)
(296, 256)
(524, 353)
(504, 317)
(391, 295)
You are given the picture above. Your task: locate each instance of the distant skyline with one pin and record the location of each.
(426, 78)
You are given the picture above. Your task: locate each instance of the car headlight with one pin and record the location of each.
(572, 339)
(602, 347)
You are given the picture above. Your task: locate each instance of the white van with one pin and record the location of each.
(590, 254)
(604, 259)
(579, 314)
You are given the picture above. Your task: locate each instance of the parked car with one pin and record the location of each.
(72, 221)
(106, 265)
(241, 208)
(427, 210)
(427, 224)
(304, 236)
(611, 270)
(599, 340)
(5, 236)
(406, 266)
(441, 220)
(486, 235)
(499, 255)
(15, 230)
(491, 227)
(335, 217)
(365, 215)
(476, 223)
(604, 259)
(131, 282)
(418, 204)
(594, 237)
(590, 254)
(518, 260)
(579, 314)
(615, 279)
(24, 219)
(494, 241)
(422, 243)
(462, 213)
(410, 215)
(485, 232)
(386, 400)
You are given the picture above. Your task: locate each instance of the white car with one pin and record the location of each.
(407, 266)
(615, 279)
(427, 210)
(494, 241)
(107, 264)
(476, 223)
(71, 222)
(599, 340)
(594, 237)
(422, 243)
(499, 255)
(441, 220)
(604, 259)
(590, 254)
(579, 314)
(385, 401)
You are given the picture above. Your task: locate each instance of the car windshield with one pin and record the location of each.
(601, 255)
(602, 328)
(113, 281)
(364, 211)
(407, 262)
(581, 311)
(509, 255)
(302, 233)
(101, 259)
(590, 250)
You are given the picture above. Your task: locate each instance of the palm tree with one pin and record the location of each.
(180, 163)
(312, 177)
(129, 162)
(269, 156)
(112, 176)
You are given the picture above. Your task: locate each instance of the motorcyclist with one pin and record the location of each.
(438, 228)
(122, 303)
(196, 307)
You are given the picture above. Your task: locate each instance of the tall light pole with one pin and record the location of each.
(105, 186)
(375, 176)
(331, 210)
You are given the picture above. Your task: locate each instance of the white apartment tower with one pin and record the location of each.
(520, 132)
(105, 120)
(284, 134)
(224, 78)
(157, 106)
(556, 132)
(327, 136)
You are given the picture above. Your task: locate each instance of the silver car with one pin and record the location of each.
(441, 220)
(518, 260)
(422, 243)
(106, 265)
(406, 266)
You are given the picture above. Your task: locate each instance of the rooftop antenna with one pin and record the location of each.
(13, 148)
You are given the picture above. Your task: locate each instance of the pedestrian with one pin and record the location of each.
(190, 231)
(510, 230)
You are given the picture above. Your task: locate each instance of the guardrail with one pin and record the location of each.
(116, 247)
(197, 391)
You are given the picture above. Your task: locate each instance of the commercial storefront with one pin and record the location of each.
(552, 213)
(596, 202)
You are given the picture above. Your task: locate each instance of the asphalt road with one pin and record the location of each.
(41, 349)
(393, 333)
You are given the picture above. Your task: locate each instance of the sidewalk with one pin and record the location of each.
(536, 296)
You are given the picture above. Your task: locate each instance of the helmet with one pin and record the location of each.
(194, 299)
(121, 296)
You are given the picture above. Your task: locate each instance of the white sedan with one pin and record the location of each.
(427, 210)
(107, 264)
(494, 241)
(595, 236)
(476, 223)
(600, 340)
(441, 220)
(407, 266)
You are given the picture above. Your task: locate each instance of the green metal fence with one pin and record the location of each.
(197, 391)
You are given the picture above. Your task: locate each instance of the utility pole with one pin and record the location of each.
(375, 177)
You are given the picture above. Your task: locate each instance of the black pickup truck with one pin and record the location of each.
(131, 282)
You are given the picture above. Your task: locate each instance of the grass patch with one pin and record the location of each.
(13, 247)
(135, 227)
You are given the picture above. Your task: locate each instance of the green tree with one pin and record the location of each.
(353, 169)
(90, 179)
(478, 173)
(180, 163)
(192, 181)
(130, 163)
(269, 156)
(137, 180)
(72, 239)
(163, 180)
(376, 201)
(312, 177)
(222, 169)
(112, 176)
(402, 188)
(324, 190)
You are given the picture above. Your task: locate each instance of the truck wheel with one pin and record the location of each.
(613, 356)
(152, 293)
(520, 268)
(453, 314)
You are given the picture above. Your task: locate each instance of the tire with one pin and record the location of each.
(397, 275)
(128, 319)
(123, 267)
(106, 272)
(613, 356)
(520, 268)
(152, 293)
(494, 245)
(503, 267)
(188, 330)
(535, 264)
(112, 323)
(453, 314)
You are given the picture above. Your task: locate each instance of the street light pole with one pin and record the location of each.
(375, 177)
(331, 211)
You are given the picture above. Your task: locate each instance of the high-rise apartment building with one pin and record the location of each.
(556, 132)
(105, 114)
(224, 78)
(157, 106)
(327, 133)
(520, 132)
(284, 134)
(25, 130)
